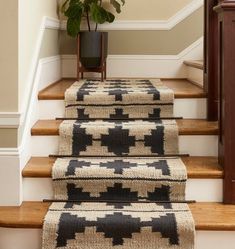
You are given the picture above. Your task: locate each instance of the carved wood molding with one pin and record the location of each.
(226, 59)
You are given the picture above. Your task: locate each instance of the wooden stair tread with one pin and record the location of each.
(194, 63)
(186, 127)
(182, 88)
(197, 167)
(207, 216)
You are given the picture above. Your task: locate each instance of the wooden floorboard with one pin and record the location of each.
(197, 167)
(186, 127)
(207, 216)
(181, 87)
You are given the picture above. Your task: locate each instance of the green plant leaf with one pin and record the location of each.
(73, 26)
(74, 11)
(116, 5)
(110, 17)
(98, 13)
(87, 4)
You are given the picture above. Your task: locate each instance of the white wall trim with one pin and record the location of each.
(15, 119)
(10, 119)
(162, 66)
(9, 152)
(12, 160)
(149, 24)
(47, 23)
(178, 56)
(52, 23)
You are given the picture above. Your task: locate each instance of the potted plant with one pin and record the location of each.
(92, 12)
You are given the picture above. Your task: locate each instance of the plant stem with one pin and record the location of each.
(96, 26)
(88, 21)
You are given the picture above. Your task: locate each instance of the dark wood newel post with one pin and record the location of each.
(226, 65)
(211, 59)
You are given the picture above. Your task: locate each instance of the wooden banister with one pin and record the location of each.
(211, 59)
(226, 76)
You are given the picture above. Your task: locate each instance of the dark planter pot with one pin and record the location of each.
(90, 48)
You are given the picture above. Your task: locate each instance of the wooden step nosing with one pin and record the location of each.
(198, 176)
(215, 223)
(51, 128)
(41, 167)
(46, 94)
(194, 64)
(181, 133)
(51, 97)
(215, 176)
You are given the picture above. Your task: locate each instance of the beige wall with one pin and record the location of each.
(16, 51)
(31, 13)
(151, 9)
(9, 57)
(148, 42)
(8, 138)
(50, 47)
(148, 9)
(50, 43)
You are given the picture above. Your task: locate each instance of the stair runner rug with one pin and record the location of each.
(104, 226)
(119, 99)
(118, 138)
(128, 179)
(118, 181)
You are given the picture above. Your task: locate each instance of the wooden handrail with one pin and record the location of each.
(226, 76)
(211, 59)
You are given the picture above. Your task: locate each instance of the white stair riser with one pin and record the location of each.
(190, 108)
(193, 145)
(209, 190)
(186, 108)
(195, 75)
(11, 238)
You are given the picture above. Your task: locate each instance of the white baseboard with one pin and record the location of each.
(12, 160)
(187, 108)
(159, 66)
(11, 238)
(195, 75)
(10, 184)
(10, 119)
(210, 190)
(51, 71)
(204, 145)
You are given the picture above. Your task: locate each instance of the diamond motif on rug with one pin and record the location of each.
(115, 184)
(132, 98)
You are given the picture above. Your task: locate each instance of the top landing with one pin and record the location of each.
(182, 89)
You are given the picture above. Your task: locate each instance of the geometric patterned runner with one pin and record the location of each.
(129, 226)
(119, 99)
(119, 179)
(118, 138)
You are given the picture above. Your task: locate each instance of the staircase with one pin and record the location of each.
(21, 227)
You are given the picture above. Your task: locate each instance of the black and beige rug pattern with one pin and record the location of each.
(100, 225)
(118, 138)
(119, 99)
(118, 182)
